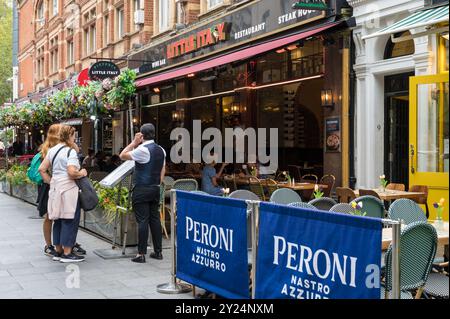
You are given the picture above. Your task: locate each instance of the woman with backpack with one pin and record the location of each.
(63, 202)
(51, 140)
(43, 188)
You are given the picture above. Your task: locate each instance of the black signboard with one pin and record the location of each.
(247, 23)
(103, 70)
(333, 134)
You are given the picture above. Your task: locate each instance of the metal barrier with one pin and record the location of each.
(175, 287)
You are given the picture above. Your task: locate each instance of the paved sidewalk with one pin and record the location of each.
(25, 272)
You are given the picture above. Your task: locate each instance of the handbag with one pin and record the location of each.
(87, 194)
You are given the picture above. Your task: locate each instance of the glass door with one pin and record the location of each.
(429, 137)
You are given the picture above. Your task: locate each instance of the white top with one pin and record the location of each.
(141, 153)
(62, 161)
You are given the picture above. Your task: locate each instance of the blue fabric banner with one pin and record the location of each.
(212, 244)
(305, 254)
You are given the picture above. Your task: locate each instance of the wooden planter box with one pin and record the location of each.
(96, 222)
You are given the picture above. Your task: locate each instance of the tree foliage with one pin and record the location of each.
(6, 30)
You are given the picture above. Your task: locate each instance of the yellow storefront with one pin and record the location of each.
(428, 141)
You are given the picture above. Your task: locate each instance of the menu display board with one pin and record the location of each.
(333, 134)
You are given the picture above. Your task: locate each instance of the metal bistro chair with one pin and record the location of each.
(396, 187)
(185, 184)
(244, 194)
(373, 206)
(437, 284)
(285, 196)
(162, 208)
(323, 203)
(418, 244)
(328, 180)
(271, 186)
(342, 208)
(345, 194)
(302, 205)
(168, 182)
(256, 187)
(423, 200)
(406, 210)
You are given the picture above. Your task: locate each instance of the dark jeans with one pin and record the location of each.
(146, 210)
(65, 230)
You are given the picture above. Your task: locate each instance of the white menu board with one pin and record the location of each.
(116, 176)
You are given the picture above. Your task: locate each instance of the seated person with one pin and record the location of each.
(265, 171)
(210, 176)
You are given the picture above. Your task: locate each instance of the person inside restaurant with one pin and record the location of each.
(210, 177)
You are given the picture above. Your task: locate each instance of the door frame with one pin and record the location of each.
(437, 182)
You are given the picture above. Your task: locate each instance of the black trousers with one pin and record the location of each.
(146, 209)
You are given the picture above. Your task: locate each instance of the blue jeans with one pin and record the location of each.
(65, 230)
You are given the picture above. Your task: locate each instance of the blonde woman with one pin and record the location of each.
(51, 140)
(63, 203)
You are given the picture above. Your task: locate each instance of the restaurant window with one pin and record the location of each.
(70, 53)
(120, 23)
(403, 48)
(164, 15)
(273, 67)
(202, 86)
(165, 126)
(298, 60)
(40, 14)
(205, 111)
(231, 77)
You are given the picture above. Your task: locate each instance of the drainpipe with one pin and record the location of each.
(351, 114)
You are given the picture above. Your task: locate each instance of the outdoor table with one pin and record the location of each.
(390, 195)
(301, 186)
(441, 231)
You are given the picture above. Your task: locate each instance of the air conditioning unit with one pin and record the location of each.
(139, 17)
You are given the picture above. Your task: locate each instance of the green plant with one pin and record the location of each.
(383, 181)
(357, 209)
(317, 192)
(17, 175)
(2, 175)
(107, 200)
(439, 208)
(79, 101)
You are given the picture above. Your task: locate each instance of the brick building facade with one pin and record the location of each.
(59, 38)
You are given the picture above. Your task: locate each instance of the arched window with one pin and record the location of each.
(40, 14)
(395, 50)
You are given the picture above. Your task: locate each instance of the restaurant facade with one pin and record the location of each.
(401, 112)
(257, 64)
